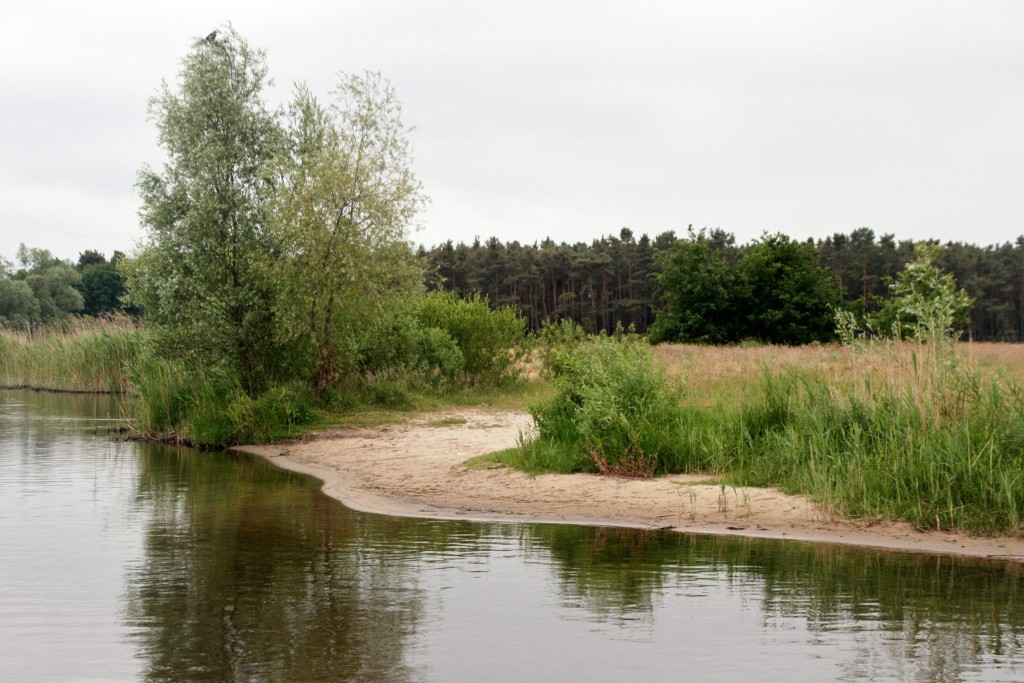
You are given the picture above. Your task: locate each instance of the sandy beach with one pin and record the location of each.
(417, 469)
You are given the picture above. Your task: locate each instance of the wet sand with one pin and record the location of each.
(417, 469)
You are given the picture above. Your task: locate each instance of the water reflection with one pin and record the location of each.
(251, 574)
(912, 616)
(125, 561)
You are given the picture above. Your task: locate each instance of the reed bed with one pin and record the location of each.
(83, 354)
(211, 410)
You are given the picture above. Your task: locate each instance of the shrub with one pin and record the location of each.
(556, 338)
(388, 393)
(613, 408)
(492, 341)
(405, 348)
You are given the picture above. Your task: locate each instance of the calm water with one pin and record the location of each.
(121, 561)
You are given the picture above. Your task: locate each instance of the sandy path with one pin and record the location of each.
(416, 469)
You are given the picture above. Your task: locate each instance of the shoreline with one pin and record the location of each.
(417, 469)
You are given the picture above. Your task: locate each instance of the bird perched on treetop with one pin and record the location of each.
(212, 37)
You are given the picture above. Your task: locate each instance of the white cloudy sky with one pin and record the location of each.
(562, 119)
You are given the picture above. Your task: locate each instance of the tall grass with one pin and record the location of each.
(904, 431)
(88, 355)
(954, 460)
(207, 409)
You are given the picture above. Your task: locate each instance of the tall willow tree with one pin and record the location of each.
(344, 209)
(201, 271)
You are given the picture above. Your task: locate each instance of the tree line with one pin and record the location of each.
(42, 288)
(612, 280)
(629, 280)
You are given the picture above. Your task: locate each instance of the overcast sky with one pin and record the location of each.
(561, 119)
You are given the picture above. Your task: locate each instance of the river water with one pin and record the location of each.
(125, 561)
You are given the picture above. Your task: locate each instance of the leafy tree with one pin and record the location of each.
(35, 260)
(48, 281)
(102, 287)
(344, 209)
(926, 304)
(90, 257)
(201, 275)
(18, 304)
(54, 288)
(491, 341)
(787, 295)
(698, 291)
(101, 284)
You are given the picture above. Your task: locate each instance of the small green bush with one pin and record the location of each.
(492, 341)
(388, 393)
(555, 338)
(421, 356)
(613, 409)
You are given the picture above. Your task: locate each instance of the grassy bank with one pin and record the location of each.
(203, 404)
(208, 410)
(933, 435)
(87, 355)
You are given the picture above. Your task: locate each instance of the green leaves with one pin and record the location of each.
(925, 305)
(613, 409)
(926, 299)
(343, 210)
(200, 275)
(44, 290)
(491, 341)
(775, 293)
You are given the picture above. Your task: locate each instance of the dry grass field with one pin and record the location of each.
(728, 374)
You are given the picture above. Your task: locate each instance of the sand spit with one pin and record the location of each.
(417, 469)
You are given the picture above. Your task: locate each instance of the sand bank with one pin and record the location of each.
(417, 469)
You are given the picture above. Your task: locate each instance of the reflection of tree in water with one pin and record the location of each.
(612, 572)
(47, 418)
(249, 573)
(936, 617)
(913, 616)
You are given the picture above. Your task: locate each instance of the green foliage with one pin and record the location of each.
(776, 293)
(388, 393)
(613, 410)
(163, 390)
(42, 291)
(941, 452)
(201, 275)
(786, 294)
(212, 410)
(402, 347)
(609, 280)
(277, 249)
(18, 305)
(343, 211)
(952, 460)
(492, 341)
(926, 304)
(101, 283)
(698, 289)
(557, 338)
